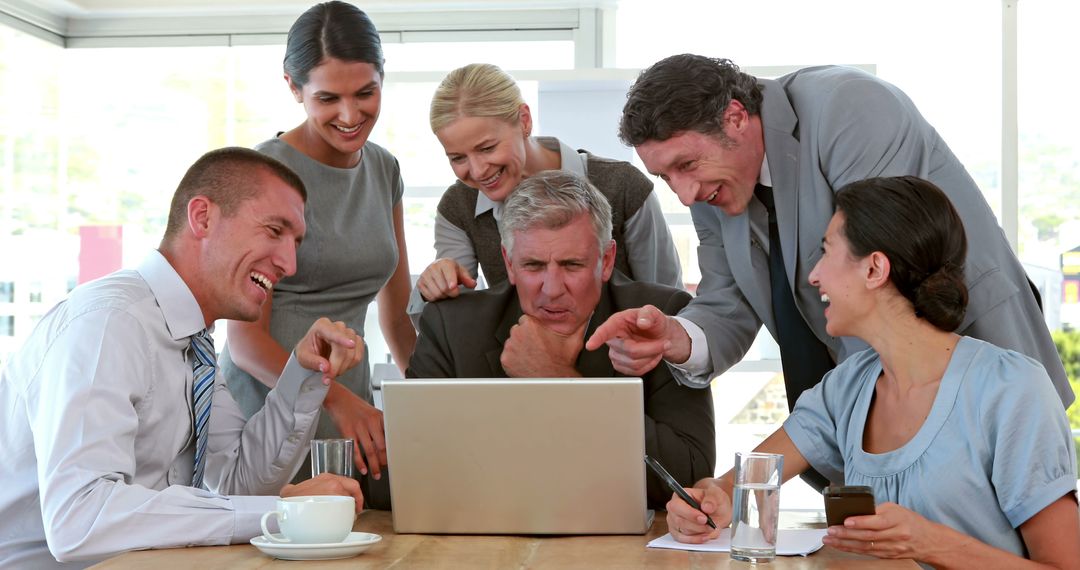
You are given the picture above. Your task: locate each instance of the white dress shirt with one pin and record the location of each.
(97, 437)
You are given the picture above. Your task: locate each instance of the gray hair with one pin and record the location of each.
(550, 200)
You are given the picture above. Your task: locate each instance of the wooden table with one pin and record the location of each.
(457, 551)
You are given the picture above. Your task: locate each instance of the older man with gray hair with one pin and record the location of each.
(559, 255)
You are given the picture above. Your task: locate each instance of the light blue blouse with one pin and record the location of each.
(995, 449)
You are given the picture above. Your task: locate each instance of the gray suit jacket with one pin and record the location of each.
(463, 338)
(825, 127)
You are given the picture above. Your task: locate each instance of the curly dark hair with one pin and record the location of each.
(685, 93)
(927, 263)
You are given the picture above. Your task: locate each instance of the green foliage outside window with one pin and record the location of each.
(1068, 346)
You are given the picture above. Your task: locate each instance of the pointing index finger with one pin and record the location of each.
(603, 333)
(623, 324)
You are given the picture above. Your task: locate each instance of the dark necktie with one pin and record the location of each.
(804, 357)
(204, 366)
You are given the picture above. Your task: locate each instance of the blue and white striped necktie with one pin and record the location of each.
(204, 365)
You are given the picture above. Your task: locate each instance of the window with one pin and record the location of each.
(845, 33)
(125, 145)
(1049, 170)
(7, 321)
(102, 136)
(443, 56)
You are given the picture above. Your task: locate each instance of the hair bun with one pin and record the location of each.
(942, 298)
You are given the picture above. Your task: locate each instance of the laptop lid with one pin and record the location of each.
(516, 456)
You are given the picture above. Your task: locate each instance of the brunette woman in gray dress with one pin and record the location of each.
(354, 250)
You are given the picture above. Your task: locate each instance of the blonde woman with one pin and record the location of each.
(486, 129)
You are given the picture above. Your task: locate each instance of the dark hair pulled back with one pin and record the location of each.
(915, 225)
(331, 29)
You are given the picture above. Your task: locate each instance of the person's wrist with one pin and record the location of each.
(569, 372)
(942, 547)
(679, 343)
(725, 483)
(333, 394)
(705, 483)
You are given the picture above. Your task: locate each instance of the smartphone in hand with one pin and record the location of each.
(843, 501)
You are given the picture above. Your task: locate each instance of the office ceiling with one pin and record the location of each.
(80, 9)
(82, 23)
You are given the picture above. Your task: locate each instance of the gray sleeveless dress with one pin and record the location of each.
(348, 254)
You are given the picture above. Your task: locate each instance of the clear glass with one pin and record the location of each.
(756, 510)
(332, 456)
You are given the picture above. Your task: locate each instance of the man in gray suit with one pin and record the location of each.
(756, 159)
(559, 257)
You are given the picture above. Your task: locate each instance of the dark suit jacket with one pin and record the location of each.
(463, 338)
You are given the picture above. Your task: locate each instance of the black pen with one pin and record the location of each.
(675, 486)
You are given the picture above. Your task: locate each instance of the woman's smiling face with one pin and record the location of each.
(342, 100)
(840, 278)
(486, 153)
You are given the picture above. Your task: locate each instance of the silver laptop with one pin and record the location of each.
(516, 456)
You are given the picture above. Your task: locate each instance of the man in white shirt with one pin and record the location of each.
(98, 432)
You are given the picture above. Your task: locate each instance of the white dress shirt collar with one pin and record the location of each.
(764, 177)
(181, 311)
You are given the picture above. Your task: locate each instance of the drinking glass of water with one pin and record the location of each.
(756, 511)
(332, 456)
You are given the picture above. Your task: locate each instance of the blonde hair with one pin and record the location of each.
(476, 90)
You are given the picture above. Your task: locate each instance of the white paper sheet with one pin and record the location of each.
(790, 542)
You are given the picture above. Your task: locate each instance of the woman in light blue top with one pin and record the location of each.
(964, 444)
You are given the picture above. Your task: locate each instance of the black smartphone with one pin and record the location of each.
(846, 501)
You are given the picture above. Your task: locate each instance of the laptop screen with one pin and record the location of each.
(516, 456)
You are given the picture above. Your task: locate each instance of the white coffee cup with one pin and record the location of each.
(316, 519)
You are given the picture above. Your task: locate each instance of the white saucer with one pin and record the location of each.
(353, 544)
